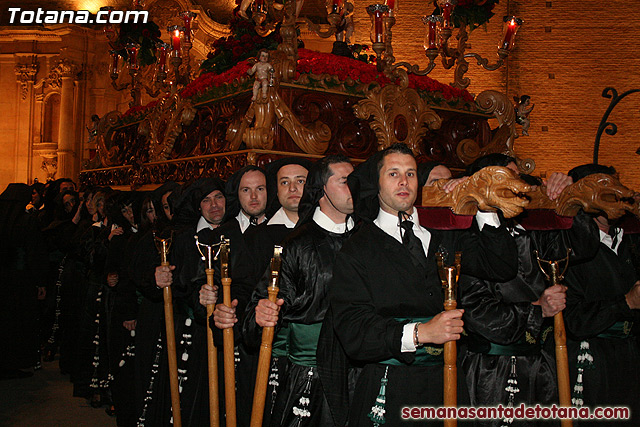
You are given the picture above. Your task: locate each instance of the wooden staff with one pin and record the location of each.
(449, 278)
(554, 276)
(260, 390)
(212, 351)
(227, 339)
(163, 248)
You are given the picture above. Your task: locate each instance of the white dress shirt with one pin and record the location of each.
(245, 221)
(390, 224)
(281, 218)
(202, 224)
(608, 240)
(327, 223)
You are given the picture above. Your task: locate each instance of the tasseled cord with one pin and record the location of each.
(303, 411)
(274, 381)
(512, 389)
(377, 411)
(585, 361)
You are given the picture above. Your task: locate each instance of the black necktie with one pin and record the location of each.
(253, 220)
(413, 243)
(613, 233)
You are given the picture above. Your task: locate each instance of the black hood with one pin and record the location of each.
(156, 198)
(363, 183)
(313, 192)
(424, 169)
(231, 191)
(187, 206)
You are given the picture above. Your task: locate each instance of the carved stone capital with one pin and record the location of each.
(25, 74)
(65, 68)
(50, 166)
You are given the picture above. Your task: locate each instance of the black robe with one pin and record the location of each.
(121, 306)
(24, 264)
(307, 267)
(502, 324)
(375, 284)
(595, 304)
(260, 242)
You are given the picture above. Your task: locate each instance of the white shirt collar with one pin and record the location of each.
(202, 224)
(281, 218)
(390, 225)
(327, 223)
(607, 240)
(245, 221)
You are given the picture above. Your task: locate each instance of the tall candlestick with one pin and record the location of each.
(132, 51)
(376, 13)
(446, 6)
(187, 16)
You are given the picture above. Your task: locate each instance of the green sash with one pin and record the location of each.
(619, 330)
(279, 346)
(428, 355)
(303, 343)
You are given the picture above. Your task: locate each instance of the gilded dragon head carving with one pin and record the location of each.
(488, 190)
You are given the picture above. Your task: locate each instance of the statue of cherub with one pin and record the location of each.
(93, 130)
(523, 108)
(346, 26)
(263, 71)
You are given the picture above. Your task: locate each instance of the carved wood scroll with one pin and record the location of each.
(495, 187)
(399, 115)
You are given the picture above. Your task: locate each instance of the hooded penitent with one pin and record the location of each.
(187, 207)
(273, 204)
(231, 191)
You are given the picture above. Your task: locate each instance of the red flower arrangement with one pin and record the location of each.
(211, 85)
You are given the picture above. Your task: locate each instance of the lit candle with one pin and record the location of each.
(377, 13)
(510, 29)
(174, 32)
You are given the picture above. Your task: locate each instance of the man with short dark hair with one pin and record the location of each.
(386, 297)
(307, 262)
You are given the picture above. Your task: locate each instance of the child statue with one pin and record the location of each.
(262, 70)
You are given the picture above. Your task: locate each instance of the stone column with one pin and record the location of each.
(25, 76)
(67, 72)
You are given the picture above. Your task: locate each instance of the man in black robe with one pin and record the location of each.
(201, 207)
(505, 362)
(286, 178)
(307, 263)
(386, 297)
(150, 318)
(246, 195)
(603, 302)
(24, 263)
